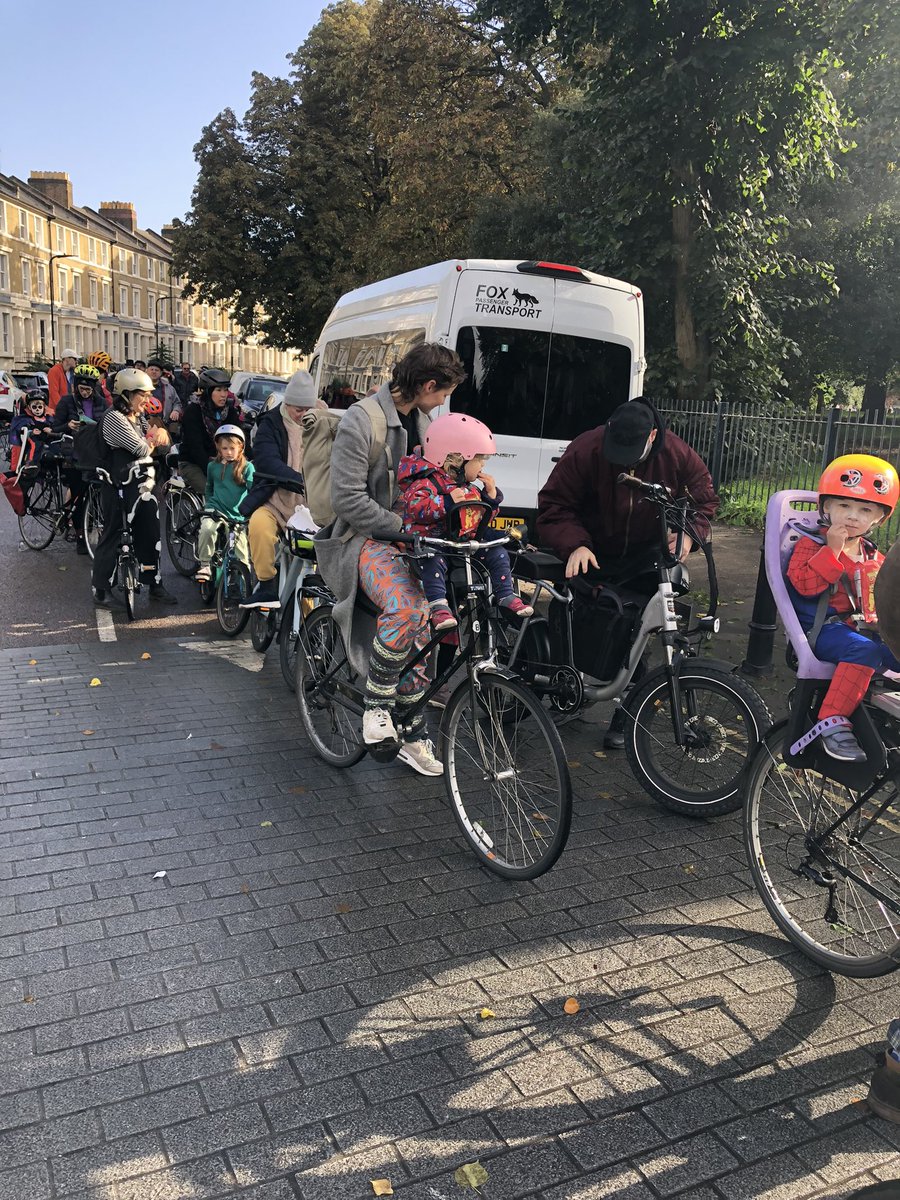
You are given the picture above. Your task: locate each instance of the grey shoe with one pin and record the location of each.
(421, 757)
(841, 745)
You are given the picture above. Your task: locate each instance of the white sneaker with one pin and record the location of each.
(203, 574)
(421, 757)
(378, 726)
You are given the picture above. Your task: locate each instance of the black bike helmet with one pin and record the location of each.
(213, 377)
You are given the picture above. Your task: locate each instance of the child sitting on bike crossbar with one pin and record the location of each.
(228, 479)
(437, 481)
(832, 573)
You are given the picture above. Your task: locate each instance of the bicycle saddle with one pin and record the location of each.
(539, 564)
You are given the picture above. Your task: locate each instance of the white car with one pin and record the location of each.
(10, 394)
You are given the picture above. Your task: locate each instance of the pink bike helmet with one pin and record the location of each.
(455, 433)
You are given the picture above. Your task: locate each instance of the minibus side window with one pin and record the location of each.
(352, 366)
(586, 381)
(506, 378)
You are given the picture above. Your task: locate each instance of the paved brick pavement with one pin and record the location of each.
(292, 1010)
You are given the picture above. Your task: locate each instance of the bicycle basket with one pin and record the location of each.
(603, 626)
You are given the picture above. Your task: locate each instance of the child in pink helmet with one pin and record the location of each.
(435, 479)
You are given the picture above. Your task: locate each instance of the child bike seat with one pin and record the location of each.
(785, 517)
(538, 564)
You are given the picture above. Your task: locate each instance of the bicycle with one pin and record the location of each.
(230, 581)
(183, 512)
(92, 523)
(49, 505)
(505, 769)
(294, 563)
(692, 725)
(127, 574)
(822, 837)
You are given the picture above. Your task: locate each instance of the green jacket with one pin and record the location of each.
(225, 494)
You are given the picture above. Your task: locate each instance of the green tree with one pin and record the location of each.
(398, 120)
(688, 136)
(163, 352)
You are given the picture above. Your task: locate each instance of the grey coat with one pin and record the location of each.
(363, 500)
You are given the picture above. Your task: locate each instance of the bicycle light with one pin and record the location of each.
(708, 624)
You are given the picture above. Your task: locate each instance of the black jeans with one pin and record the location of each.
(142, 508)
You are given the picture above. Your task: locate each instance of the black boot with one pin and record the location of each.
(614, 738)
(107, 598)
(162, 594)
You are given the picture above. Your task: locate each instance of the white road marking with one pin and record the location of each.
(106, 627)
(241, 654)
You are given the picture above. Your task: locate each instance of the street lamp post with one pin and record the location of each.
(159, 300)
(53, 258)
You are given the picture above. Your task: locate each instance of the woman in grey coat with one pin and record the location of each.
(364, 495)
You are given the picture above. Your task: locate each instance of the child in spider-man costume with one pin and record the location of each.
(832, 575)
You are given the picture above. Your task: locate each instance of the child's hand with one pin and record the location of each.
(836, 537)
(457, 495)
(490, 486)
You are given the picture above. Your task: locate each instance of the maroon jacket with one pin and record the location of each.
(581, 504)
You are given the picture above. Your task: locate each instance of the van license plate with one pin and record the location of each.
(507, 522)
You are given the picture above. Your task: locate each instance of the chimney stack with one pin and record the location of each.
(168, 231)
(120, 211)
(54, 185)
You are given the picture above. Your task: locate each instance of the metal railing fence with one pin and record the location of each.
(753, 451)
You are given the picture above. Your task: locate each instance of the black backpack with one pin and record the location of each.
(90, 450)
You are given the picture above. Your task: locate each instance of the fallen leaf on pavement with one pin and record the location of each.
(32, 662)
(344, 908)
(573, 763)
(215, 746)
(245, 888)
(95, 683)
(571, 1006)
(605, 795)
(471, 1175)
(88, 732)
(144, 656)
(486, 1014)
(265, 824)
(28, 999)
(298, 791)
(160, 875)
(599, 754)
(382, 1187)
(689, 868)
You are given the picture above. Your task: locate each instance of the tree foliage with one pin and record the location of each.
(398, 119)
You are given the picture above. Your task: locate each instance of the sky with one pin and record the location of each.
(120, 99)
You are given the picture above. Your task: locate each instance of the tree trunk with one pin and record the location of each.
(874, 395)
(691, 359)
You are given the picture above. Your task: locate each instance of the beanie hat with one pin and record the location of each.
(300, 391)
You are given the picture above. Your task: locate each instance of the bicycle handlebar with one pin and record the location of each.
(653, 491)
(417, 539)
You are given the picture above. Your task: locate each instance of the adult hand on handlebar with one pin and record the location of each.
(580, 560)
(686, 548)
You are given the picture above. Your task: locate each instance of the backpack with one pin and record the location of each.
(89, 450)
(319, 428)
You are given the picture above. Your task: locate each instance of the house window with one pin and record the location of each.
(41, 281)
(63, 286)
(146, 268)
(135, 302)
(67, 335)
(38, 231)
(206, 316)
(92, 250)
(123, 300)
(76, 290)
(93, 287)
(2, 217)
(75, 247)
(26, 277)
(106, 340)
(23, 224)
(79, 340)
(4, 271)
(130, 264)
(104, 254)
(60, 240)
(151, 305)
(177, 312)
(6, 338)
(105, 296)
(127, 355)
(115, 344)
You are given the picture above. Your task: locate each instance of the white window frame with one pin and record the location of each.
(76, 289)
(26, 277)
(76, 247)
(123, 301)
(39, 231)
(63, 285)
(105, 295)
(92, 250)
(41, 281)
(104, 254)
(5, 334)
(60, 240)
(2, 217)
(92, 292)
(4, 272)
(23, 225)
(151, 306)
(135, 302)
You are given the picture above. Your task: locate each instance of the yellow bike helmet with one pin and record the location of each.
(100, 359)
(85, 373)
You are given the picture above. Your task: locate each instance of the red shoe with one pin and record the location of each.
(442, 618)
(517, 607)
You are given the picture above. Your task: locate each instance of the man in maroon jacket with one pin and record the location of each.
(590, 520)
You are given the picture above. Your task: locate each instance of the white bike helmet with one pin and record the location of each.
(230, 431)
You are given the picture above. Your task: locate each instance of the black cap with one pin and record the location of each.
(626, 433)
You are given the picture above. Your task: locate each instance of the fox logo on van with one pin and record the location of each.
(494, 298)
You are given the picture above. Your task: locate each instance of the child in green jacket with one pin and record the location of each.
(228, 479)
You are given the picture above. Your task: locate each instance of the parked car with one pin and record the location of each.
(10, 394)
(252, 391)
(33, 381)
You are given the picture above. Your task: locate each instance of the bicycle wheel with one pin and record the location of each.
(182, 508)
(322, 666)
(234, 587)
(287, 645)
(129, 579)
(506, 776)
(207, 591)
(37, 524)
(838, 903)
(263, 628)
(93, 519)
(724, 721)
